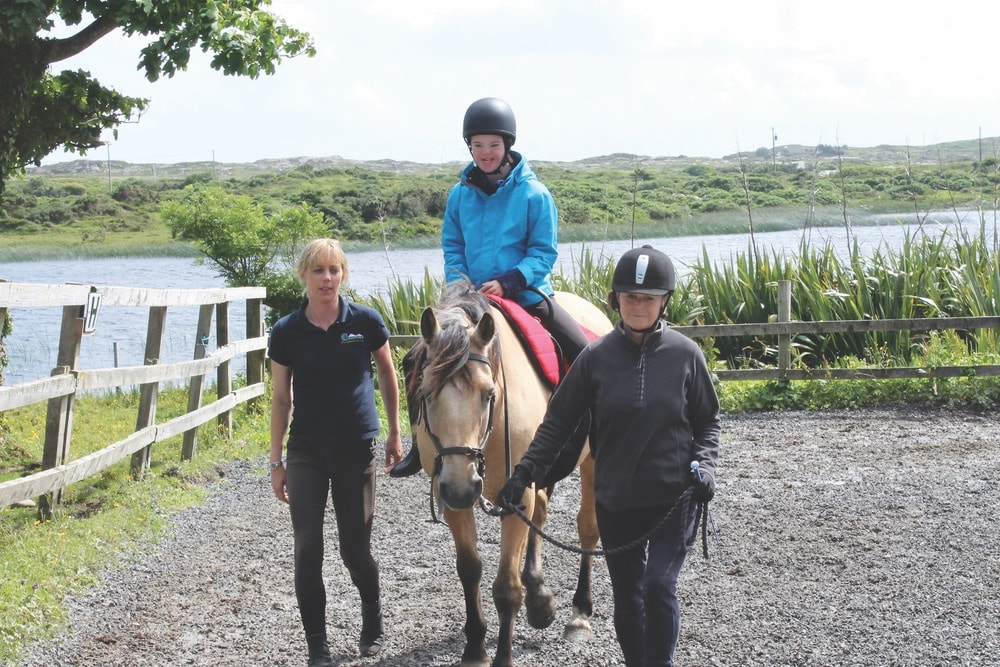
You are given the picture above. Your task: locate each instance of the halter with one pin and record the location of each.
(477, 452)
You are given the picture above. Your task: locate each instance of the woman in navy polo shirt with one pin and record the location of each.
(321, 365)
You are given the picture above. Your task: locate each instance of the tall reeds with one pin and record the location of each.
(952, 273)
(947, 275)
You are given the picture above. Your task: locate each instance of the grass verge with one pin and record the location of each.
(105, 520)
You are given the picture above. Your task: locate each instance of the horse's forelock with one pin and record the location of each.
(448, 352)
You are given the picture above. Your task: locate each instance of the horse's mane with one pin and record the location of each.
(458, 311)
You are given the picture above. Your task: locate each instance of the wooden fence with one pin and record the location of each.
(784, 329)
(80, 305)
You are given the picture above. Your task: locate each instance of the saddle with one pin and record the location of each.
(537, 341)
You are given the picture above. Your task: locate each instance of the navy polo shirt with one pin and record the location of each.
(333, 393)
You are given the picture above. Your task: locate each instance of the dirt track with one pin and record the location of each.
(866, 537)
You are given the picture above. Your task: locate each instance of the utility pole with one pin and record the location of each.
(774, 161)
(107, 144)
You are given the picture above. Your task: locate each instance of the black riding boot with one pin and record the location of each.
(410, 465)
(319, 651)
(371, 629)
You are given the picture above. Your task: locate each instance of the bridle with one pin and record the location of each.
(479, 453)
(476, 452)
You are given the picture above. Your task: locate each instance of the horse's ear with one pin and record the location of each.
(429, 327)
(485, 330)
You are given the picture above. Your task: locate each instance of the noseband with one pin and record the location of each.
(477, 452)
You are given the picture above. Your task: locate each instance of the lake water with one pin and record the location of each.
(33, 346)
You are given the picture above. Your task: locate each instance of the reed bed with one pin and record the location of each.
(953, 273)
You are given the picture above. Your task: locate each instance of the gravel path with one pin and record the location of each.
(867, 537)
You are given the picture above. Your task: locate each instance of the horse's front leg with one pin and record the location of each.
(539, 602)
(578, 629)
(462, 524)
(507, 594)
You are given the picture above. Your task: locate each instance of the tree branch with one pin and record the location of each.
(54, 50)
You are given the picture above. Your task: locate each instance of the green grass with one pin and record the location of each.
(104, 519)
(22, 249)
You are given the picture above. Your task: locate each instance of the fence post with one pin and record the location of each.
(149, 391)
(59, 412)
(255, 358)
(224, 380)
(190, 445)
(784, 315)
(3, 323)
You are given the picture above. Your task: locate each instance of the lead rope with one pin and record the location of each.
(683, 502)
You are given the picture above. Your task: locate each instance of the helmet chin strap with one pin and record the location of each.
(644, 332)
(499, 171)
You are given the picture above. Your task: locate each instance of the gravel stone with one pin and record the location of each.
(862, 537)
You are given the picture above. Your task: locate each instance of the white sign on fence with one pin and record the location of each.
(90, 312)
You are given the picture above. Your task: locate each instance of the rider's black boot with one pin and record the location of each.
(410, 465)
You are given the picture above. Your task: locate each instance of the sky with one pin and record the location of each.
(585, 78)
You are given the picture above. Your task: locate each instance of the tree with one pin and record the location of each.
(244, 242)
(235, 232)
(41, 110)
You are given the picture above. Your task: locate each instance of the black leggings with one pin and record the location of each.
(345, 471)
(564, 329)
(647, 612)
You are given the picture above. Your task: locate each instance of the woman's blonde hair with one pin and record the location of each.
(315, 251)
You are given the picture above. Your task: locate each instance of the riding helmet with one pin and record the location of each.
(490, 115)
(644, 270)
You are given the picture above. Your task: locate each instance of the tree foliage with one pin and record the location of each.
(236, 234)
(41, 110)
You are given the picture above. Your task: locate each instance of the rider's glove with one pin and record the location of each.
(512, 494)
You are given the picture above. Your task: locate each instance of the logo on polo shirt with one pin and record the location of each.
(351, 338)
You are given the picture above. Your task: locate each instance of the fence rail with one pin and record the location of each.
(784, 372)
(80, 302)
(784, 329)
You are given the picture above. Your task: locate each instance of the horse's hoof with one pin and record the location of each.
(541, 616)
(578, 631)
(540, 607)
(475, 659)
(476, 663)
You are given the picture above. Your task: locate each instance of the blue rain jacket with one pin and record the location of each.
(515, 227)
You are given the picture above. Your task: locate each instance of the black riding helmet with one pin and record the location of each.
(645, 270)
(490, 115)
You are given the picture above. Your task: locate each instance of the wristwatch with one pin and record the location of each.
(276, 464)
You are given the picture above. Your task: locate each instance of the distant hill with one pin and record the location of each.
(971, 150)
